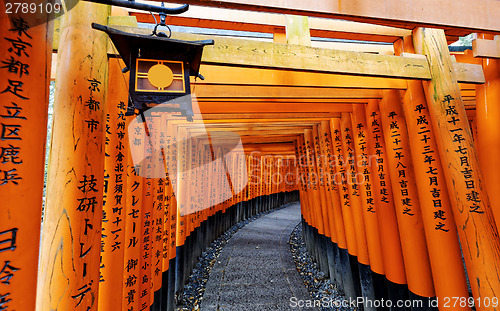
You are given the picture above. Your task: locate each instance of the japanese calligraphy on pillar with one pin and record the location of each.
(429, 156)
(354, 180)
(88, 200)
(340, 165)
(461, 150)
(23, 113)
(306, 178)
(15, 67)
(406, 197)
(400, 156)
(341, 168)
(133, 225)
(380, 169)
(115, 177)
(326, 141)
(146, 218)
(158, 215)
(471, 209)
(370, 209)
(382, 193)
(146, 244)
(363, 163)
(71, 237)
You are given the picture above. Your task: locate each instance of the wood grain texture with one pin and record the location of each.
(473, 216)
(71, 236)
(24, 98)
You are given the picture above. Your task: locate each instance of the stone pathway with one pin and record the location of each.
(255, 270)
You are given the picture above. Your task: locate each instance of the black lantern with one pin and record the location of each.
(160, 68)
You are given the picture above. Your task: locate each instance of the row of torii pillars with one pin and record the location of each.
(24, 117)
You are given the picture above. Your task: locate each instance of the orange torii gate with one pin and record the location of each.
(380, 215)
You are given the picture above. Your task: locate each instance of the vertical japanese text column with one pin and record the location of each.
(473, 215)
(71, 236)
(24, 96)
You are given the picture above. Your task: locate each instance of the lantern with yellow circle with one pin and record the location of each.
(160, 68)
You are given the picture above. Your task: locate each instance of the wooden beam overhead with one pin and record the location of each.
(253, 132)
(471, 16)
(232, 75)
(228, 51)
(228, 19)
(249, 91)
(250, 53)
(268, 139)
(240, 52)
(271, 116)
(269, 107)
(486, 48)
(386, 49)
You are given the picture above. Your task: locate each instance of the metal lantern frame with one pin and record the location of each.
(135, 49)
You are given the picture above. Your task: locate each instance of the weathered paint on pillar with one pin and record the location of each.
(24, 98)
(297, 30)
(475, 222)
(440, 228)
(71, 236)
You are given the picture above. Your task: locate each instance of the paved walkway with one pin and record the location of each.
(255, 270)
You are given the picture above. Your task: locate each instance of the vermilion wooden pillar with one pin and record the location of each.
(488, 132)
(71, 236)
(313, 182)
(473, 215)
(387, 220)
(146, 243)
(440, 228)
(350, 160)
(347, 215)
(325, 144)
(345, 212)
(406, 200)
(24, 98)
(115, 190)
(338, 221)
(320, 181)
(370, 208)
(158, 220)
(132, 220)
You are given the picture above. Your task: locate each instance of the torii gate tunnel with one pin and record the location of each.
(358, 109)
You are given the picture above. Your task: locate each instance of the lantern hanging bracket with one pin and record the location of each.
(163, 17)
(131, 4)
